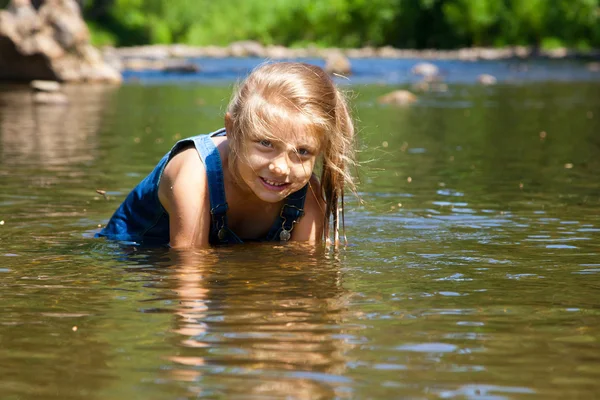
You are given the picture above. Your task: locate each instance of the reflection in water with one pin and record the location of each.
(52, 343)
(50, 135)
(273, 311)
(46, 152)
(476, 278)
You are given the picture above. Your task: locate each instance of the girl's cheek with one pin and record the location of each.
(304, 170)
(256, 159)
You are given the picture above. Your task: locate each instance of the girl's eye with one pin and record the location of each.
(303, 152)
(265, 143)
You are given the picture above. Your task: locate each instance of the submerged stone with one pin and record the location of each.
(398, 97)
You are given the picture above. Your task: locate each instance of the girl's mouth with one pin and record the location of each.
(274, 185)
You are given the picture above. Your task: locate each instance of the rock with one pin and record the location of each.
(398, 98)
(364, 52)
(64, 17)
(111, 58)
(215, 52)
(560, 52)
(49, 44)
(337, 63)
(45, 45)
(521, 52)
(170, 65)
(277, 52)
(247, 48)
(180, 66)
(25, 14)
(593, 66)
(388, 52)
(139, 64)
(50, 98)
(301, 53)
(467, 55)
(486, 79)
(425, 69)
(45, 86)
(99, 73)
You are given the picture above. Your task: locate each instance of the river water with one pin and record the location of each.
(472, 269)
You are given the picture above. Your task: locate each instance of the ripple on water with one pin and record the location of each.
(458, 277)
(470, 323)
(560, 246)
(451, 294)
(450, 192)
(428, 347)
(595, 268)
(487, 392)
(449, 204)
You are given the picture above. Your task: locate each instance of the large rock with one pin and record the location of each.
(51, 43)
(337, 63)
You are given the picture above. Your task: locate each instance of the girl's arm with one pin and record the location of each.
(310, 226)
(183, 192)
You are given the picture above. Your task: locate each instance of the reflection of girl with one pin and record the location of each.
(272, 313)
(254, 179)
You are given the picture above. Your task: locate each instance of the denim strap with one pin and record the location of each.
(220, 233)
(292, 210)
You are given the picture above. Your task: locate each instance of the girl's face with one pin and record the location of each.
(274, 167)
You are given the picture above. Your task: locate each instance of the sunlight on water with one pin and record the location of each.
(472, 269)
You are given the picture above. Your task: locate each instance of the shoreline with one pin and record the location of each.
(255, 49)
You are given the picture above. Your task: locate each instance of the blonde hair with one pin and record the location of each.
(297, 93)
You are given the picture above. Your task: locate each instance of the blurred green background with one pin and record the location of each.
(441, 24)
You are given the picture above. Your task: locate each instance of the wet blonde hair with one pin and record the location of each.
(301, 96)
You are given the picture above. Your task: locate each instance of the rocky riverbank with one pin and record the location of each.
(255, 49)
(174, 57)
(51, 41)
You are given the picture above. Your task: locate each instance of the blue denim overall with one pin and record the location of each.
(142, 219)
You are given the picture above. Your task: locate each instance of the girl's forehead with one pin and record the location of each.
(297, 135)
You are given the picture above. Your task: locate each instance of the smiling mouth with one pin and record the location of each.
(274, 185)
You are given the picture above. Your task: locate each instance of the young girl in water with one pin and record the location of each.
(252, 180)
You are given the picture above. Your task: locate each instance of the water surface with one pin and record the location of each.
(472, 269)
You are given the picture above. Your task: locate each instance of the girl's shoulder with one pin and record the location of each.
(204, 144)
(187, 166)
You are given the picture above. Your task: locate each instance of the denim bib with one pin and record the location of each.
(141, 218)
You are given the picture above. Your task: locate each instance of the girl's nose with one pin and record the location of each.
(280, 165)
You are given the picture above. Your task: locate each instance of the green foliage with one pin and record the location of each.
(350, 23)
(473, 20)
(99, 36)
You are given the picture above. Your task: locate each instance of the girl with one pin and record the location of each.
(252, 180)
